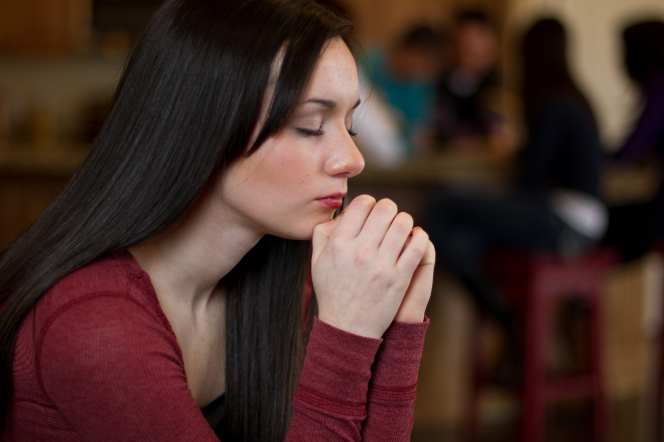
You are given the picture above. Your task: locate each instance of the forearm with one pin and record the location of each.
(391, 398)
(331, 401)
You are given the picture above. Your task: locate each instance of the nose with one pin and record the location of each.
(346, 160)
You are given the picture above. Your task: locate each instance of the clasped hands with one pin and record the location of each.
(370, 267)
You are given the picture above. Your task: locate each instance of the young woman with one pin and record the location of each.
(160, 297)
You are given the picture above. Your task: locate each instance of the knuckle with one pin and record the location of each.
(366, 200)
(403, 222)
(337, 247)
(362, 252)
(388, 202)
(424, 243)
(419, 248)
(406, 219)
(378, 269)
(386, 209)
(387, 205)
(318, 229)
(422, 234)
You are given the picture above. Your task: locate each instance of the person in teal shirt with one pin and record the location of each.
(404, 81)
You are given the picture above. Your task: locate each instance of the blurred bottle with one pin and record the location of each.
(93, 114)
(4, 118)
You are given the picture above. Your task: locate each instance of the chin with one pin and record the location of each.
(305, 234)
(303, 230)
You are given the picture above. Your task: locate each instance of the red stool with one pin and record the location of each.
(659, 389)
(533, 282)
(659, 374)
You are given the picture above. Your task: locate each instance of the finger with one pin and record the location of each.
(397, 236)
(378, 222)
(414, 251)
(417, 296)
(355, 215)
(419, 291)
(406, 243)
(321, 236)
(429, 257)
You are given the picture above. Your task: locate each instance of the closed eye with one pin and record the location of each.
(319, 132)
(310, 132)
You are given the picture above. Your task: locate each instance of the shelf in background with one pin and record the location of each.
(49, 161)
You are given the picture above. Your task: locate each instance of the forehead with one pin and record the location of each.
(335, 74)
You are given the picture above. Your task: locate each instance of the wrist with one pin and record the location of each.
(362, 330)
(409, 317)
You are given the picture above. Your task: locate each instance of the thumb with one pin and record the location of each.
(322, 233)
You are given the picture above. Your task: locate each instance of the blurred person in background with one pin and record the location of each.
(339, 8)
(399, 88)
(555, 207)
(464, 113)
(635, 228)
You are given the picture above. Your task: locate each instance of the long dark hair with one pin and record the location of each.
(185, 109)
(545, 70)
(644, 50)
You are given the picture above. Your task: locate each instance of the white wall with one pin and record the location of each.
(595, 28)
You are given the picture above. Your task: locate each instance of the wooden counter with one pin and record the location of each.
(412, 184)
(31, 177)
(53, 161)
(450, 167)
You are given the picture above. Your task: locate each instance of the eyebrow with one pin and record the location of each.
(328, 104)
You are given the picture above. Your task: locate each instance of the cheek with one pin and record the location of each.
(290, 168)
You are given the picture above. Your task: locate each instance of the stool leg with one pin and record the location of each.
(477, 377)
(600, 421)
(659, 389)
(534, 400)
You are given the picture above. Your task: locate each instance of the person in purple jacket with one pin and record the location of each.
(637, 227)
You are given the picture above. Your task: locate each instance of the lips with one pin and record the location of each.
(333, 201)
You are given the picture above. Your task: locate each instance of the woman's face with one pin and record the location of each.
(295, 180)
(475, 47)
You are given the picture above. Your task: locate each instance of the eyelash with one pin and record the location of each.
(310, 133)
(319, 132)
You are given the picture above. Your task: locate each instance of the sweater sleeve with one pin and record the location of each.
(112, 370)
(330, 403)
(393, 383)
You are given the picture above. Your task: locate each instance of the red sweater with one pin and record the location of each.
(97, 360)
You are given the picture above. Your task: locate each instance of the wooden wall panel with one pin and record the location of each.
(43, 27)
(23, 199)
